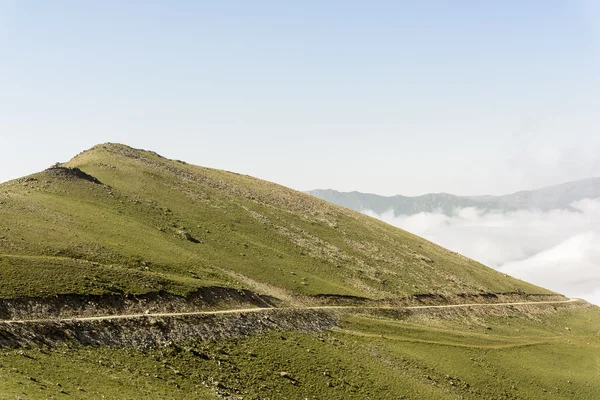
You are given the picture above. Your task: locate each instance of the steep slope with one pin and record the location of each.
(100, 257)
(116, 219)
(547, 198)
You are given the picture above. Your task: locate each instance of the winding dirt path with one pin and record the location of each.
(258, 309)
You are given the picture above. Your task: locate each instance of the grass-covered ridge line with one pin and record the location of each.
(117, 219)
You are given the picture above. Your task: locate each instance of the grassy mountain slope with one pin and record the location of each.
(511, 356)
(124, 220)
(116, 221)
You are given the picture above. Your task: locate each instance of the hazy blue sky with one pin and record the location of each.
(390, 97)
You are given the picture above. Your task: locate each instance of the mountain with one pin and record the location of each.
(128, 275)
(148, 224)
(548, 198)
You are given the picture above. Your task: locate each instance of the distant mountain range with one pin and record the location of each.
(547, 198)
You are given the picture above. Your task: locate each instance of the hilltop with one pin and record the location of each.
(127, 275)
(120, 220)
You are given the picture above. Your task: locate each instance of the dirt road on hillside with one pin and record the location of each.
(256, 310)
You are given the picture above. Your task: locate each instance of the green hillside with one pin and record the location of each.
(524, 355)
(120, 231)
(119, 219)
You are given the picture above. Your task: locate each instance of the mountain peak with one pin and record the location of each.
(228, 229)
(118, 148)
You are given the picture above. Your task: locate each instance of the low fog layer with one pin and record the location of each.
(558, 249)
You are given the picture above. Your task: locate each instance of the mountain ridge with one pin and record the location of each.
(547, 198)
(120, 219)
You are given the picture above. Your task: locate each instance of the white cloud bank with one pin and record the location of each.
(558, 249)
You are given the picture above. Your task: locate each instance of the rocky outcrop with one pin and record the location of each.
(149, 332)
(75, 305)
(66, 172)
